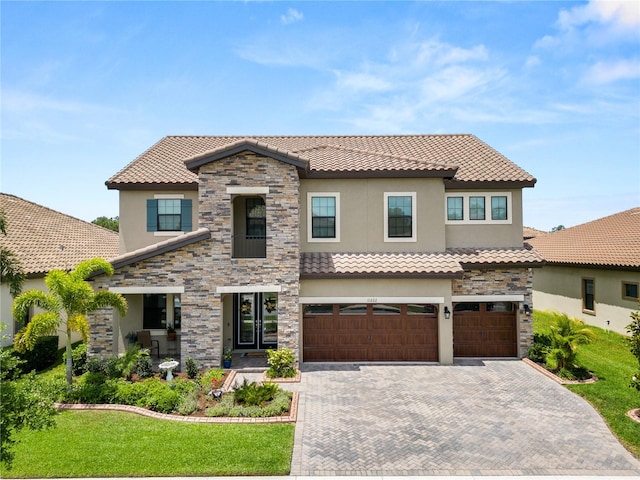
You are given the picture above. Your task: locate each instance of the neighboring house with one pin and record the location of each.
(528, 232)
(354, 248)
(44, 240)
(592, 271)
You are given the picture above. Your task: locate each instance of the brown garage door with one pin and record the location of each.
(370, 332)
(485, 329)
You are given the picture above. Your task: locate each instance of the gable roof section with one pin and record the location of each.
(161, 247)
(612, 241)
(246, 144)
(448, 264)
(529, 232)
(463, 159)
(45, 240)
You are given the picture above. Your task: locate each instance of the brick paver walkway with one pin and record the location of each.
(480, 418)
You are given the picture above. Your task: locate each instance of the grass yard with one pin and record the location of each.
(609, 358)
(116, 444)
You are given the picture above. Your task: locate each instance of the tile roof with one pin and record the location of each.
(36, 234)
(612, 241)
(528, 232)
(431, 264)
(470, 159)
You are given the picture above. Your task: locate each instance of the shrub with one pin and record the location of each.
(192, 367)
(566, 335)
(150, 393)
(257, 394)
(188, 403)
(212, 379)
(96, 365)
(78, 358)
(281, 363)
(43, 355)
(540, 348)
(280, 405)
(144, 367)
(634, 345)
(92, 388)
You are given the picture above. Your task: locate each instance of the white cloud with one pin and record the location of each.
(291, 16)
(531, 62)
(361, 81)
(608, 72)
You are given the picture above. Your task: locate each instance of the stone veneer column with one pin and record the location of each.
(507, 281)
(282, 263)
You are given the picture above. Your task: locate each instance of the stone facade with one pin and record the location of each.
(507, 281)
(204, 266)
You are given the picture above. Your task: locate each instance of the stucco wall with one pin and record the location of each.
(560, 288)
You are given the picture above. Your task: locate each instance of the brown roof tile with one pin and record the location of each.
(36, 234)
(447, 264)
(465, 155)
(612, 241)
(528, 232)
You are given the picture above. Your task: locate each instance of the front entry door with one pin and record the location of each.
(255, 321)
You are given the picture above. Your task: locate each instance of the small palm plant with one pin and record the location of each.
(566, 335)
(64, 307)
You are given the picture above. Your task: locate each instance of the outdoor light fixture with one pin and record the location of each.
(447, 313)
(527, 309)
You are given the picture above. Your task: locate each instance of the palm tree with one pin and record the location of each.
(566, 335)
(65, 307)
(10, 266)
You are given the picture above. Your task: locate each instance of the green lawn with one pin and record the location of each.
(107, 444)
(609, 358)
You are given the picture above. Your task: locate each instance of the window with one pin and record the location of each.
(399, 217)
(318, 309)
(256, 217)
(470, 208)
(168, 214)
(323, 217)
(629, 291)
(455, 210)
(499, 208)
(476, 208)
(323, 214)
(154, 314)
(588, 295)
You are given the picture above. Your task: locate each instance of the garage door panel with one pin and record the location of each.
(485, 334)
(372, 337)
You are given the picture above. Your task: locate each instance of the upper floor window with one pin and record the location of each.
(478, 208)
(400, 217)
(323, 213)
(169, 213)
(256, 217)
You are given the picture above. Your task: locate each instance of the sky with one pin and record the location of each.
(555, 86)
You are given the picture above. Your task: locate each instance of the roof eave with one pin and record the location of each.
(151, 186)
(311, 174)
(327, 276)
(595, 266)
(194, 163)
(460, 184)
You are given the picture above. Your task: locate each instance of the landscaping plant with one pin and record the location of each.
(566, 335)
(634, 342)
(192, 368)
(65, 307)
(281, 363)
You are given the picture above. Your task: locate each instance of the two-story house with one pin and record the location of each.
(342, 248)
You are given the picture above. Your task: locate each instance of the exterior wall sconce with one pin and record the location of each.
(447, 313)
(527, 309)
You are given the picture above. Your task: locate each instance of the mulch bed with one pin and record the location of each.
(556, 378)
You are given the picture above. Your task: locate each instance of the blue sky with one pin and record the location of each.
(554, 86)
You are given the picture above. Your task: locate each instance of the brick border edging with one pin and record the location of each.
(556, 378)
(291, 418)
(295, 379)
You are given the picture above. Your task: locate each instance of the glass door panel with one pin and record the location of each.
(269, 332)
(246, 320)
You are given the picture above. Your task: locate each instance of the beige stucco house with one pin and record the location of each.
(341, 248)
(44, 240)
(592, 271)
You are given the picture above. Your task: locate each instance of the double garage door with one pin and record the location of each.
(369, 333)
(406, 333)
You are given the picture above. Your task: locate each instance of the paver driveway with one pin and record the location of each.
(482, 418)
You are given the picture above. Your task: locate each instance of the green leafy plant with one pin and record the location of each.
(567, 334)
(144, 367)
(192, 367)
(79, 355)
(255, 394)
(210, 376)
(65, 306)
(281, 363)
(539, 350)
(279, 405)
(634, 345)
(43, 355)
(227, 354)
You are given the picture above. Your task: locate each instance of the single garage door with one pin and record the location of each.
(485, 329)
(369, 333)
